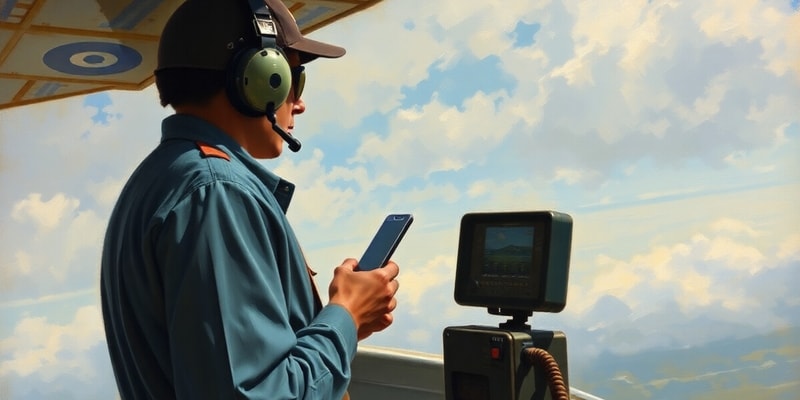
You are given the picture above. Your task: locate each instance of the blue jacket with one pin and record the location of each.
(205, 292)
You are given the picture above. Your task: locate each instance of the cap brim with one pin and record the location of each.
(310, 49)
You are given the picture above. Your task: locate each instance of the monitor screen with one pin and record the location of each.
(507, 251)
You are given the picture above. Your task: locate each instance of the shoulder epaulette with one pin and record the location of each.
(208, 150)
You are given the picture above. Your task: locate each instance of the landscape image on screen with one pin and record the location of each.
(508, 250)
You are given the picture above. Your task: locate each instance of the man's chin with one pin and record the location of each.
(267, 152)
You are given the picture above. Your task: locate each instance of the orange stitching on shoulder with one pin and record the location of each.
(211, 151)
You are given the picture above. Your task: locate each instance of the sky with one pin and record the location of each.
(668, 130)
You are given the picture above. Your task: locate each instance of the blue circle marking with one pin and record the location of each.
(92, 58)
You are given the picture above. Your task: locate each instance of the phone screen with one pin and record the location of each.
(384, 243)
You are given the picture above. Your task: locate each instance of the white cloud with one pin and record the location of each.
(598, 27)
(447, 193)
(645, 40)
(421, 336)
(105, 193)
(324, 200)
(572, 176)
(668, 193)
(439, 270)
(736, 254)
(577, 71)
(438, 138)
(755, 20)
(479, 188)
(656, 128)
(617, 279)
(789, 248)
(702, 271)
(775, 107)
(517, 194)
(51, 298)
(85, 232)
(63, 255)
(45, 214)
(665, 77)
(7, 273)
(47, 349)
(67, 186)
(707, 107)
(23, 262)
(734, 226)
(370, 77)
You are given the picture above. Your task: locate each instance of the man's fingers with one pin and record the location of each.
(391, 270)
(350, 263)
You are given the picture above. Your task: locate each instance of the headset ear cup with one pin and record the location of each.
(257, 78)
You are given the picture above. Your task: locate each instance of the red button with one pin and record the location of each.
(495, 353)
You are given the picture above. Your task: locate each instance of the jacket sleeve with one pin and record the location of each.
(226, 311)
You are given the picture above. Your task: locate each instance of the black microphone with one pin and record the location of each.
(294, 144)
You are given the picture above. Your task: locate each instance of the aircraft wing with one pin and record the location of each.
(51, 49)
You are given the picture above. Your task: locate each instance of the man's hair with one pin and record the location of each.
(188, 86)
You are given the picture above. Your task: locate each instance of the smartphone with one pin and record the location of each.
(385, 242)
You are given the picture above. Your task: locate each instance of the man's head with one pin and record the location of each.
(217, 50)
(212, 39)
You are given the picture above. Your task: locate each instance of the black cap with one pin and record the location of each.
(289, 36)
(206, 33)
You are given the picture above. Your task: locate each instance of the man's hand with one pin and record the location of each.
(367, 295)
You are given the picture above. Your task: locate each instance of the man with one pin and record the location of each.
(205, 291)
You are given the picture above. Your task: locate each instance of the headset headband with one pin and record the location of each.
(264, 24)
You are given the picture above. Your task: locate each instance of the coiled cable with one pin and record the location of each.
(545, 361)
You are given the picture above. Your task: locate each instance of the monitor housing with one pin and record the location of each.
(514, 262)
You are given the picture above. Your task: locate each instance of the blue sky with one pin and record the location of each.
(668, 131)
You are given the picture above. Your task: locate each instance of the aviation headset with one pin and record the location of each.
(259, 78)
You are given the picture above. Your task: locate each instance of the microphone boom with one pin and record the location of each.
(293, 142)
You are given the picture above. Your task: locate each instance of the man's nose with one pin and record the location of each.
(299, 107)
